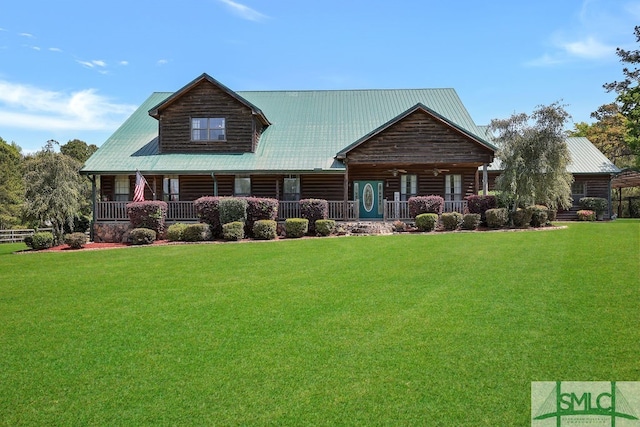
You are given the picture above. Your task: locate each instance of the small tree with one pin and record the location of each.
(54, 189)
(534, 157)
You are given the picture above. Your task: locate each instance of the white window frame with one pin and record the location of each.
(408, 186)
(453, 188)
(242, 186)
(208, 129)
(171, 188)
(121, 183)
(291, 182)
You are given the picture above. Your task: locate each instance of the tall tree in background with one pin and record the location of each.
(11, 184)
(534, 157)
(54, 189)
(608, 134)
(628, 91)
(78, 149)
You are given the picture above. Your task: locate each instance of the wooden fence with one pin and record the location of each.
(15, 236)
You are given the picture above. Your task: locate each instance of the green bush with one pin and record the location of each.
(174, 232)
(521, 217)
(451, 220)
(324, 227)
(232, 209)
(265, 229)
(471, 221)
(233, 230)
(196, 233)
(596, 204)
(142, 236)
(586, 215)
(40, 240)
(497, 218)
(426, 221)
(539, 215)
(296, 227)
(75, 240)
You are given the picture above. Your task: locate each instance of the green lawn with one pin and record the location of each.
(438, 329)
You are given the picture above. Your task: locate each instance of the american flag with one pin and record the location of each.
(138, 192)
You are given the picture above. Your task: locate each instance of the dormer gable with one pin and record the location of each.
(206, 116)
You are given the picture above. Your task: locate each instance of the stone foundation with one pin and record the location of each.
(111, 232)
(375, 227)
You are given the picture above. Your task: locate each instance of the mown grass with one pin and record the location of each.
(445, 329)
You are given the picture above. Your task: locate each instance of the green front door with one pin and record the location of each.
(369, 197)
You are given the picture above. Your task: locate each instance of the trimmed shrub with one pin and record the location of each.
(313, 210)
(75, 240)
(426, 221)
(539, 215)
(150, 214)
(28, 240)
(425, 204)
(521, 218)
(265, 229)
(233, 209)
(586, 215)
(142, 236)
(296, 227)
(40, 240)
(470, 221)
(497, 218)
(481, 204)
(233, 230)
(208, 210)
(596, 204)
(325, 227)
(451, 220)
(196, 233)
(174, 232)
(260, 209)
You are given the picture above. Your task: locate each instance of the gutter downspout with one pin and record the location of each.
(215, 184)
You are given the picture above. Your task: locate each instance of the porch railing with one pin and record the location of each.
(399, 211)
(185, 211)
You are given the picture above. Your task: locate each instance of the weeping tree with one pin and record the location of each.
(54, 189)
(534, 157)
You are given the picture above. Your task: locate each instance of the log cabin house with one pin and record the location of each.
(365, 151)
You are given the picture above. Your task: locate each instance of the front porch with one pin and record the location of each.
(185, 211)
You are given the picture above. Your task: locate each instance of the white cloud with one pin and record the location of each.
(589, 48)
(244, 11)
(162, 62)
(55, 49)
(123, 63)
(28, 35)
(92, 64)
(32, 108)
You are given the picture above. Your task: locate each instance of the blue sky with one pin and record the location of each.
(77, 69)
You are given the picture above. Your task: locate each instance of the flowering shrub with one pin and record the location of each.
(196, 233)
(586, 215)
(75, 240)
(451, 220)
(233, 209)
(208, 210)
(497, 218)
(313, 210)
(325, 227)
(260, 209)
(426, 221)
(142, 236)
(265, 229)
(470, 221)
(480, 204)
(148, 214)
(296, 227)
(597, 204)
(425, 204)
(233, 230)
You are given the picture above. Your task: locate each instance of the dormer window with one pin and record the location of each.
(208, 129)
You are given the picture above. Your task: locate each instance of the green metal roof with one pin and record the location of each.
(308, 129)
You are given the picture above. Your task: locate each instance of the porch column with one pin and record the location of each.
(485, 179)
(345, 186)
(215, 184)
(94, 206)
